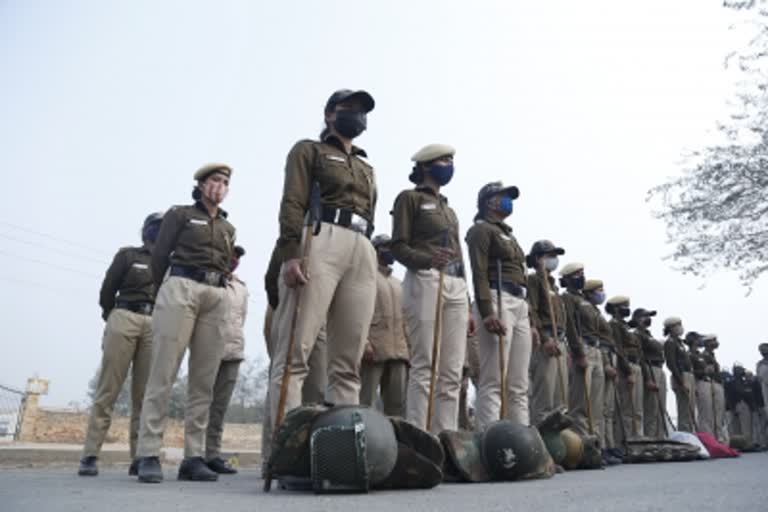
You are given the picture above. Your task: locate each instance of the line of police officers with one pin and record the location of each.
(357, 333)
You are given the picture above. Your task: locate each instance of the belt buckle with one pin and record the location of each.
(357, 223)
(211, 278)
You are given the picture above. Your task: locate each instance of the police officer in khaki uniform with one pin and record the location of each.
(549, 362)
(190, 267)
(655, 381)
(330, 180)
(761, 372)
(703, 387)
(226, 378)
(498, 265)
(630, 387)
(679, 365)
(385, 361)
(586, 378)
(126, 299)
(718, 393)
(425, 239)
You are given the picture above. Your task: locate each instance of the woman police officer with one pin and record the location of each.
(425, 239)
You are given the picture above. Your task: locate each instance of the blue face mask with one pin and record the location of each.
(598, 298)
(442, 174)
(151, 231)
(505, 205)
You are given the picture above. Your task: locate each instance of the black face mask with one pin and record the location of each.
(350, 123)
(386, 257)
(646, 322)
(574, 283)
(624, 312)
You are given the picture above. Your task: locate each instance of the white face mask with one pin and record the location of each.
(551, 263)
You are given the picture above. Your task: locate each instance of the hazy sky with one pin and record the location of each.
(107, 108)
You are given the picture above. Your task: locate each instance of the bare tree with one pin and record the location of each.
(717, 212)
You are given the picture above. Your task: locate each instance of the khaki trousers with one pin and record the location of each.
(190, 315)
(653, 414)
(419, 303)
(388, 378)
(705, 407)
(127, 342)
(609, 404)
(587, 384)
(341, 291)
(741, 422)
(226, 379)
(683, 396)
(549, 384)
(721, 422)
(631, 401)
(517, 353)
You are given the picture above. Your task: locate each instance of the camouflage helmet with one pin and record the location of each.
(574, 448)
(492, 189)
(512, 451)
(382, 239)
(351, 448)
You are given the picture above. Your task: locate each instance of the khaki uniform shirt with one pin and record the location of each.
(346, 181)
(489, 242)
(189, 236)
(271, 278)
(128, 278)
(420, 219)
(539, 303)
(627, 345)
(678, 358)
(698, 364)
(711, 361)
(235, 346)
(575, 303)
(387, 332)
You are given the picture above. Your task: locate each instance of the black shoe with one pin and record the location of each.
(88, 466)
(149, 470)
(195, 470)
(617, 452)
(609, 459)
(220, 466)
(133, 470)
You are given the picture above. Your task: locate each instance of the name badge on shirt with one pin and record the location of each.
(198, 222)
(428, 206)
(505, 237)
(336, 158)
(142, 266)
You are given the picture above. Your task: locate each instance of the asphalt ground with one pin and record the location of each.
(700, 486)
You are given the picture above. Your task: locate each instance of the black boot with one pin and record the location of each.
(219, 465)
(194, 469)
(88, 466)
(150, 470)
(609, 459)
(133, 470)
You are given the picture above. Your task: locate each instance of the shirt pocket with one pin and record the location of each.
(333, 172)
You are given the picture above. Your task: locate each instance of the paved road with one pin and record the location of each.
(718, 485)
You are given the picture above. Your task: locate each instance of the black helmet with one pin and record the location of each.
(512, 451)
(345, 94)
(352, 448)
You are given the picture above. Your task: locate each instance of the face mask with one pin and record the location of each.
(442, 174)
(387, 258)
(151, 231)
(505, 205)
(551, 263)
(598, 298)
(350, 123)
(646, 322)
(577, 283)
(624, 312)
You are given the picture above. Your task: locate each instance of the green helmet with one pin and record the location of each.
(555, 446)
(352, 448)
(512, 451)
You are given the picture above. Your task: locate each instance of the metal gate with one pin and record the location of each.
(11, 409)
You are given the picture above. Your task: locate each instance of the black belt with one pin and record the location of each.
(454, 269)
(704, 379)
(592, 342)
(346, 219)
(513, 289)
(657, 364)
(633, 359)
(143, 308)
(607, 346)
(200, 275)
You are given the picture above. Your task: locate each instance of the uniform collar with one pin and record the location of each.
(429, 191)
(145, 248)
(506, 228)
(334, 141)
(200, 206)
